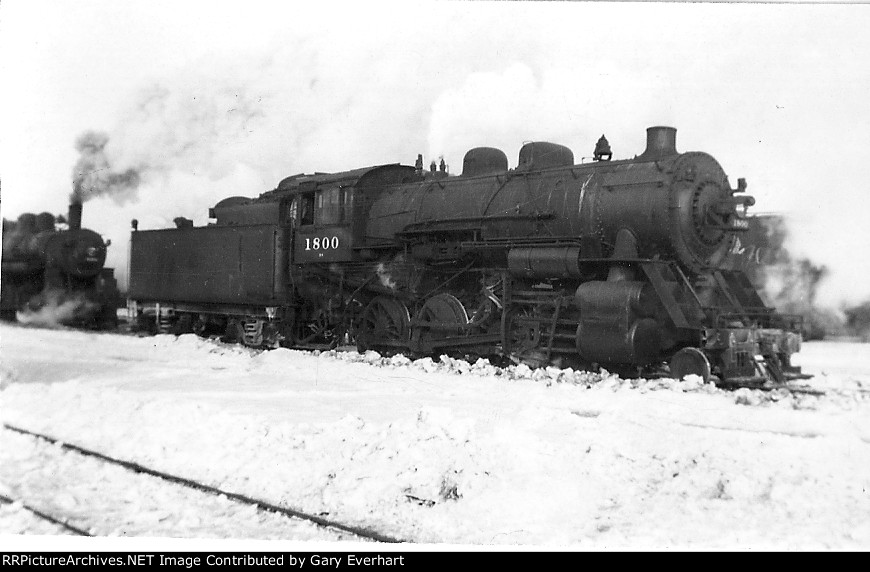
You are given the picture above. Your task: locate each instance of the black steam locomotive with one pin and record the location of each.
(618, 263)
(59, 274)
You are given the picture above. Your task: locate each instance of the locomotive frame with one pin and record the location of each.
(620, 264)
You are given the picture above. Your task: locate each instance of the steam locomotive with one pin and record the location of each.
(614, 263)
(59, 272)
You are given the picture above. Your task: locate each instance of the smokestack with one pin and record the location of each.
(75, 216)
(660, 142)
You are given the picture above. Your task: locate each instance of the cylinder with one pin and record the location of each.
(615, 323)
(636, 344)
(609, 299)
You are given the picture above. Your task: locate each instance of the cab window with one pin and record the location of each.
(329, 206)
(306, 207)
(346, 199)
(289, 210)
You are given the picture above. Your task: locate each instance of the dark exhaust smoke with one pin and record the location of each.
(94, 175)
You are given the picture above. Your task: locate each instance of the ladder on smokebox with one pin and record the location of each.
(557, 334)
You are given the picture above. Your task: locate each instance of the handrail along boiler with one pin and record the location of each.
(618, 263)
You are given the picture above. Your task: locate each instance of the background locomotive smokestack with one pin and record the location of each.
(660, 142)
(75, 215)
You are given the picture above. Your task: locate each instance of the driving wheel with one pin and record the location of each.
(440, 318)
(385, 324)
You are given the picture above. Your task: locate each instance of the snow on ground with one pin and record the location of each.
(442, 451)
(132, 504)
(15, 519)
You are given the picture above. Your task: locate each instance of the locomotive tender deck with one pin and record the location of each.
(614, 263)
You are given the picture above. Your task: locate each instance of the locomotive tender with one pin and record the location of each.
(617, 263)
(61, 269)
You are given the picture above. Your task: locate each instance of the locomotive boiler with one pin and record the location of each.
(59, 272)
(615, 263)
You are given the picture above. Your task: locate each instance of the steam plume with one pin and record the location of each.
(385, 277)
(56, 309)
(787, 282)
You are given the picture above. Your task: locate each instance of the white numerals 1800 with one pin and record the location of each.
(325, 243)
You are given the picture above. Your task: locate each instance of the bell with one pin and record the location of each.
(602, 150)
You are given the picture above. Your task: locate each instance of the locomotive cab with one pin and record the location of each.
(321, 221)
(327, 211)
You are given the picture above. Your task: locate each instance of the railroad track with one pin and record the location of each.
(46, 517)
(361, 533)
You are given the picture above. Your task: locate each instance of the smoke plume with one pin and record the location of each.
(94, 175)
(858, 321)
(786, 282)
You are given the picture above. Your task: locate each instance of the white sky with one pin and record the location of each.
(213, 99)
